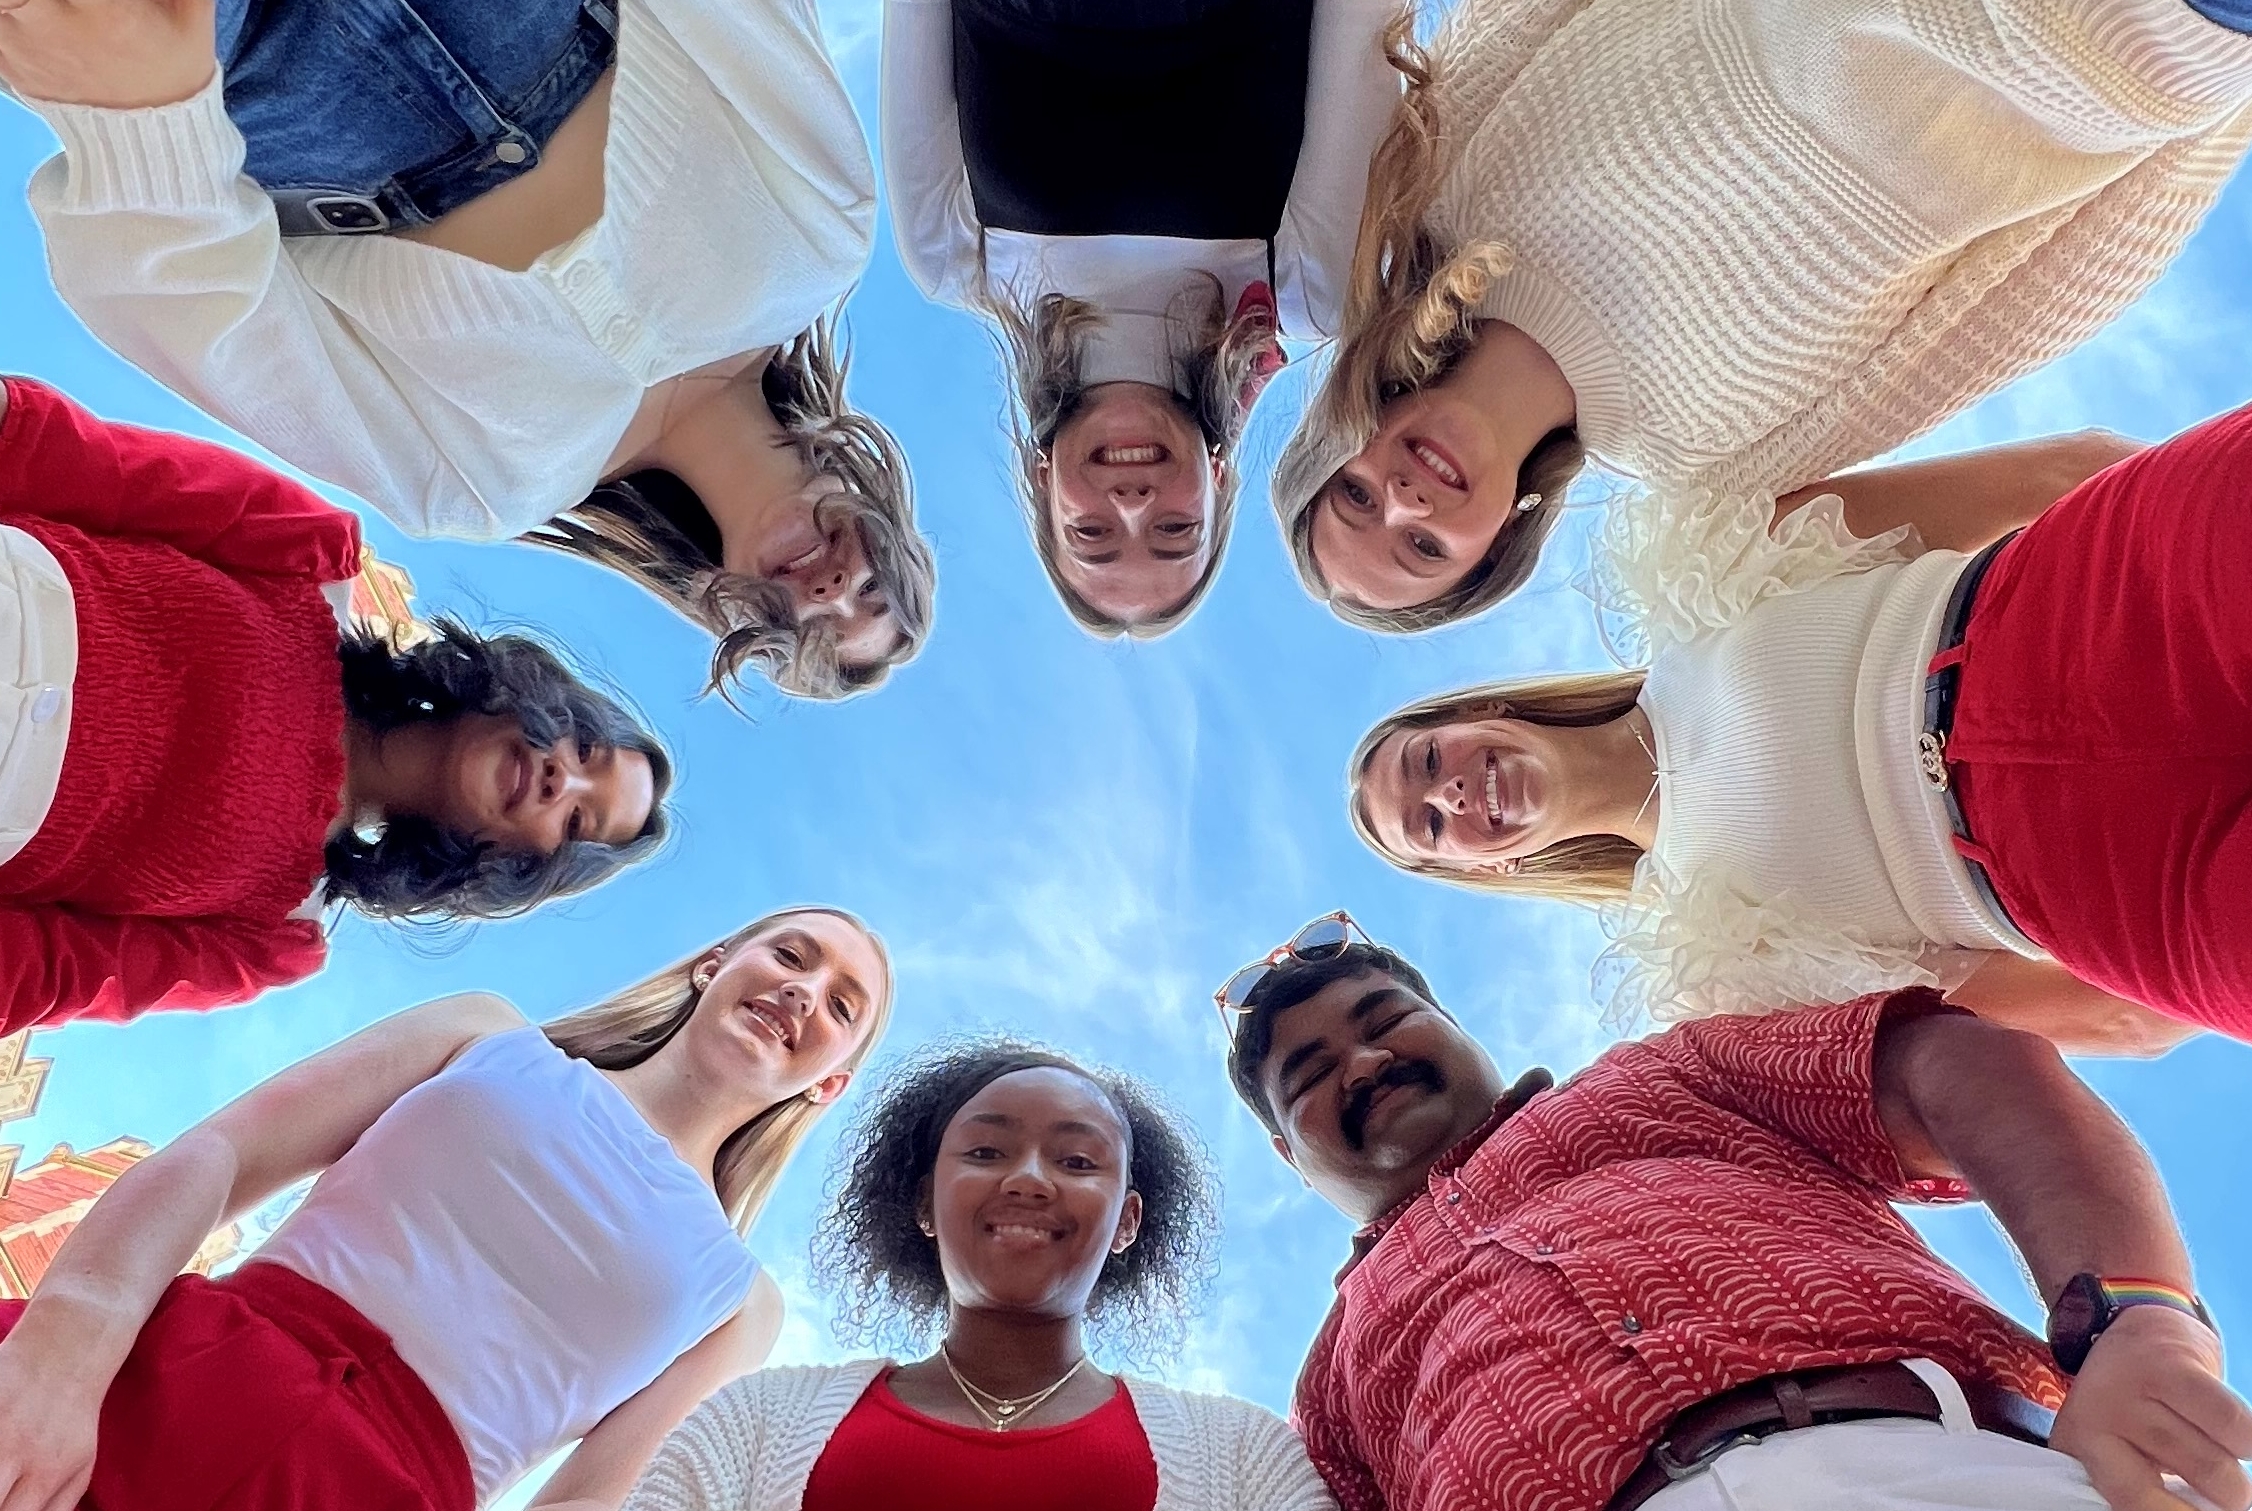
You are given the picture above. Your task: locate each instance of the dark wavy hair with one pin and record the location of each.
(870, 1254)
(416, 870)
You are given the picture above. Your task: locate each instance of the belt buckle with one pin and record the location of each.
(1931, 758)
(1676, 1469)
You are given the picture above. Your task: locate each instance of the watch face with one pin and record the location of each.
(2077, 1311)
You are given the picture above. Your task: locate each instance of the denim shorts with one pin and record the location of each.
(372, 115)
(2236, 15)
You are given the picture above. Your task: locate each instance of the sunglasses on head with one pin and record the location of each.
(1323, 939)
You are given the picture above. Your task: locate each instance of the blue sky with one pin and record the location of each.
(1075, 840)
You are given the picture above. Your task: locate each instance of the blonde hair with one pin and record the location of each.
(1043, 351)
(633, 526)
(1592, 869)
(1411, 311)
(631, 1025)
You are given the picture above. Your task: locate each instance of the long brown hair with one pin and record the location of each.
(633, 526)
(1411, 311)
(1043, 350)
(629, 1026)
(1592, 869)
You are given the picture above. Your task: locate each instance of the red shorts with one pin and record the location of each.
(262, 1391)
(2102, 746)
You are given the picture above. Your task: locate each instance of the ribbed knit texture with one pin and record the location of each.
(206, 739)
(1766, 239)
(459, 398)
(752, 1447)
(1800, 857)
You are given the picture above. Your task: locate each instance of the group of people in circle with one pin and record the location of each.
(1914, 775)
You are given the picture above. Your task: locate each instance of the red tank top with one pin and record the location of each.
(885, 1454)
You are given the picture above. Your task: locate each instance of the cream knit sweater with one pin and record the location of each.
(1766, 239)
(753, 1446)
(458, 398)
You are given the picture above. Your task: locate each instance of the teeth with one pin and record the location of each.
(1493, 793)
(1437, 463)
(1019, 1230)
(1128, 456)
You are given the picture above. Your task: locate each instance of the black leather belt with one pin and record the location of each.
(1814, 1398)
(1941, 685)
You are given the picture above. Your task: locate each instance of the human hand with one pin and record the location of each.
(47, 1429)
(2149, 1402)
(116, 54)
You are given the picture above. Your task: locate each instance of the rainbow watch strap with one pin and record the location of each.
(2134, 1290)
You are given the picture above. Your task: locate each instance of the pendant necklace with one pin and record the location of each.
(1003, 1412)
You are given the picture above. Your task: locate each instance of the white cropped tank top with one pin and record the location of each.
(537, 1252)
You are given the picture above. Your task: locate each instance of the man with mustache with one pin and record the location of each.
(1677, 1282)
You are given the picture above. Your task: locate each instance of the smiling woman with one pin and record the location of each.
(170, 826)
(425, 1327)
(1001, 1196)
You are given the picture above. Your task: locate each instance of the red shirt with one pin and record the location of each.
(1690, 1212)
(885, 1455)
(206, 746)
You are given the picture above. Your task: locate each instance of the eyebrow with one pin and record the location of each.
(1156, 555)
(1376, 999)
(1068, 1125)
(1101, 559)
(1296, 1059)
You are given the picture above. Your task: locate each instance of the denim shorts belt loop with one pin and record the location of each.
(363, 116)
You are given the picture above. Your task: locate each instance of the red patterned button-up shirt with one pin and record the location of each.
(1690, 1212)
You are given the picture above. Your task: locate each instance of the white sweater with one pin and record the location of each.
(1766, 239)
(1801, 857)
(752, 1447)
(456, 397)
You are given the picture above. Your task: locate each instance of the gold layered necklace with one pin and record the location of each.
(1003, 1412)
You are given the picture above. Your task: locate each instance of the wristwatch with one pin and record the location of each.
(2090, 1303)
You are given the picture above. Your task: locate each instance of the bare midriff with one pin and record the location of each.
(513, 225)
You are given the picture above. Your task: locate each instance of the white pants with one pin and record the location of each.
(1891, 1464)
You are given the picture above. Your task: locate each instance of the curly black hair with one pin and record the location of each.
(871, 1257)
(417, 870)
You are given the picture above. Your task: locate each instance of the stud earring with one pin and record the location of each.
(700, 980)
(1512, 866)
(1528, 503)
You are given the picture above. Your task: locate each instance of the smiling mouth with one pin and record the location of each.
(1147, 454)
(1493, 790)
(1436, 463)
(1039, 1232)
(773, 1021)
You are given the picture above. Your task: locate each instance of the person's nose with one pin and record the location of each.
(836, 590)
(1403, 500)
(1451, 795)
(796, 997)
(1362, 1064)
(563, 784)
(1027, 1179)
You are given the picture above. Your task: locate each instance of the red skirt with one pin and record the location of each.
(2102, 747)
(262, 1391)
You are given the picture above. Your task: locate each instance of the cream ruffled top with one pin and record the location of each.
(1800, 857)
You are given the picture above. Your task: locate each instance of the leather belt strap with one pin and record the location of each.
(1813, 1398)
(1942, 683)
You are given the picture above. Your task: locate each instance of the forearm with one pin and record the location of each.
(2042, 997)
(1971, 499)
(2062, 1174)
(110, 1273)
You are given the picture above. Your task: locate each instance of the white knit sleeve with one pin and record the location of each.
(1706, 944)
(1670, 566)
(706, 1464)
(172, 256)
(1273, 1472)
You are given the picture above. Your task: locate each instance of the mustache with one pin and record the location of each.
(1352, 1118)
